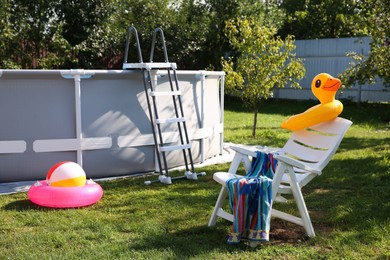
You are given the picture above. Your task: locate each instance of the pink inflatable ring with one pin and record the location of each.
(44, 195)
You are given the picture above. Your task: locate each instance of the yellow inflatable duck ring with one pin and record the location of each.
(324, 87)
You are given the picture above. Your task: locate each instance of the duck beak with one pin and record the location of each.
(332, 84)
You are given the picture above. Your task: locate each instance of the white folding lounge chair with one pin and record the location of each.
(303, 157)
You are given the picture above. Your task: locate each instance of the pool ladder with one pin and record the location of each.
(152, 95)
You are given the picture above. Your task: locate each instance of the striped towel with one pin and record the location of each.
(250, 200)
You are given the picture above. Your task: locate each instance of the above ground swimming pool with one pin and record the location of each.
(99, 119)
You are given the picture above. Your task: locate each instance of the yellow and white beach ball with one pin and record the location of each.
(66, 174)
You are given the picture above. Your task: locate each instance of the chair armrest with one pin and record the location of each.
(295, 163)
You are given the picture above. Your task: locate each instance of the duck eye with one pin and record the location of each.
(318, 83)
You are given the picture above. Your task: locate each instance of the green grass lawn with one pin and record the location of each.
(349, 205)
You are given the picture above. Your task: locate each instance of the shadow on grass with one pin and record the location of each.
(21, 205)
(354, 143)
(27, 205)
(201, 240)
(364, 113)
(195, 241)
(350, 195)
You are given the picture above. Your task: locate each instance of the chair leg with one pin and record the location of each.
(280, 171)
(297, 193)
(218, 206)
(299, 200)
(223, 194)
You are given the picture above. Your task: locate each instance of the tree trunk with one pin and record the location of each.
(255, 110)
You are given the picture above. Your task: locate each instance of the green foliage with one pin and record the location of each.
(347, 18)
(61, 54)
(5, 33)
(221, 11)
(265, 61)
(322, 19)
(91, 34)
(377, 64)
(145, 15)
(53, 34)
(22, 31)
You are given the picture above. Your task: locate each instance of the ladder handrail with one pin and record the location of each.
(130, 30)
(164, 47)
(162, 147)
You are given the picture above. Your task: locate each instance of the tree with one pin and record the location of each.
(91, 34)
(53, 34)
(184, 24)
(26, 29)
(377, 64)
(221, 11)
(321, 18)
(264, 62)
(6, 34)
(82, 36)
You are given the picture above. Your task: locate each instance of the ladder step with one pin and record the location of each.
(170, 120)
(165, 93)
(175, 147)
(150, 65)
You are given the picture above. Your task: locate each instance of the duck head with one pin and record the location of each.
(324, 87)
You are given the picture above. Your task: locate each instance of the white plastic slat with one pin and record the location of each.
(304, 153)
(334, 126)
(165, 93)
(175, 147)
(314, 139)
(170, 120)
(12, 146)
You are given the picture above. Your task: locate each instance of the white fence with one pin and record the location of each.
(329, 55)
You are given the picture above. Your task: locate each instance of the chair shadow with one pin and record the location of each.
(201, 239)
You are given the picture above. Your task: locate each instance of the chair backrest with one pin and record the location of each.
(316, 145)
